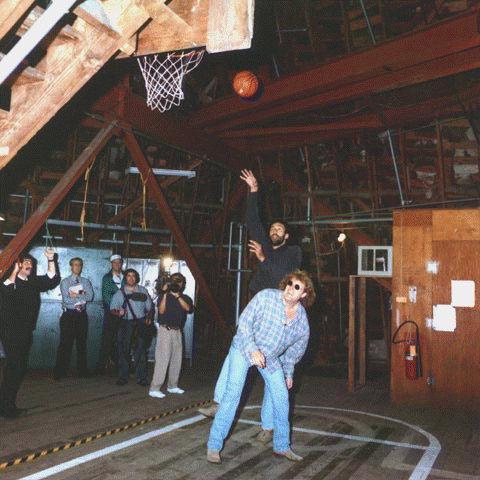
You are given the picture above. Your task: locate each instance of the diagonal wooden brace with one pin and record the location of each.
(54, 198)
(168, 216)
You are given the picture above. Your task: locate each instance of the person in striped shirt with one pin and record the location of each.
(272, 334)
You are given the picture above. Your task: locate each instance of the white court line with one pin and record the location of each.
(356, 438)
(423, 467)
(114, 448)
(420, 472)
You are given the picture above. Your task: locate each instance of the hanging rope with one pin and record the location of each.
(48, 238)
(84, 206)
(144, 199)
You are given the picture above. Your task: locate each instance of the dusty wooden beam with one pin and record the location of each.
(230, 25)
(440, 161)
(171, 222)
(38, 218)
(173, 27)
(68, 66)
(392, 64)
(352, 314)
(11, 11)
(130, 208)
(67, 31)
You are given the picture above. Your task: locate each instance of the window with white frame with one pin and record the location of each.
(375, 261)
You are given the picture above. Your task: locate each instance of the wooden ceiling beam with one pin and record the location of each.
(175, 131)
(131, 207)
(53, 199)
(11, 11)
(67, 66)
(168, 216)
(413, 58)
(438, 68)
(271, 138)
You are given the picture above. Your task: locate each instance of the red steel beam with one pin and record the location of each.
(169, 218)
(54, 198)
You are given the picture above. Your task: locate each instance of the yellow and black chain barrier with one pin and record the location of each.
(34, 455)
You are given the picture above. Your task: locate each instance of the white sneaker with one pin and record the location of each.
(156, 394)
(175, 390)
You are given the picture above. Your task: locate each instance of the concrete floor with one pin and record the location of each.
(367, 442)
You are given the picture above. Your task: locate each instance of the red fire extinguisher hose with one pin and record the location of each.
(413, 357)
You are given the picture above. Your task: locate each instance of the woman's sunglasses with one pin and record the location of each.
(296, 285)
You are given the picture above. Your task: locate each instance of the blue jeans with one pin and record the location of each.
(124, 339)
(267, 405)
(232, 380)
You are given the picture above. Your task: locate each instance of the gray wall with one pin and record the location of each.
(47, 334)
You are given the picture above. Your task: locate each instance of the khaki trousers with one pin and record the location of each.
(168, 355)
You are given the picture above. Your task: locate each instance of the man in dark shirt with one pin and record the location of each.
(276, 258)
(21, 304)
(173, 306)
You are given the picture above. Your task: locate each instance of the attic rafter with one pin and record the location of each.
(68, 65)
(169, 218)
(413, 58)
(176, 131)
(254, 139)
(54, 198)
(11, 11)
(130, 208)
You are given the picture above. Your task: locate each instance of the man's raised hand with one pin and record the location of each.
(249, 178)
(256, 248)
(49, 253)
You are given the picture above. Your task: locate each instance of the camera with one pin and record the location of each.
(174, 282)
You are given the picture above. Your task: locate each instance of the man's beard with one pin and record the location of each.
(276, 240)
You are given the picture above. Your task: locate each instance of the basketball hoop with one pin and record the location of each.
(164, 76)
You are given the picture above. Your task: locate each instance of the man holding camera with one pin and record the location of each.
(173, 306)
(76, 292)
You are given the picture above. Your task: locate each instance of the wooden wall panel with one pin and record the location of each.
(450, 359)
(456, 356)
(456, 225)
(412, 245)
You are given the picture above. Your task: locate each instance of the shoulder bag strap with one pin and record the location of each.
(128, 304)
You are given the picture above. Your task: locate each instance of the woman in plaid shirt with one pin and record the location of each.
(272, 334)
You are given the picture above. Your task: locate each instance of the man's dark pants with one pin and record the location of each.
(126, 331)
(17, 346)
(73, 328)
(109, 339)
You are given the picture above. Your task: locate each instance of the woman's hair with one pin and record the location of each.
(132, 270)
(301, 276)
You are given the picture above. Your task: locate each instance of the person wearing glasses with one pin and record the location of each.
(275, 260)
(272, 334)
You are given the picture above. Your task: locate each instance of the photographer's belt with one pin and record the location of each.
(168, 327)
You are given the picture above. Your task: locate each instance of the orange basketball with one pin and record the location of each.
(245, 84)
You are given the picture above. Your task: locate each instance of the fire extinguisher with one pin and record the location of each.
(413, 358)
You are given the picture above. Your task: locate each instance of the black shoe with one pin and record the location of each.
(143, 383)
(121, 382)
(58, 376)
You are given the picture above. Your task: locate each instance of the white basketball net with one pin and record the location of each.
(164, 76)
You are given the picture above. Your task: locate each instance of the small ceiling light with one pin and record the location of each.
(341, 238)
(167, 262)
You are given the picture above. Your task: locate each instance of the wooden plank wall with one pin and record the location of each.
(450, 359)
